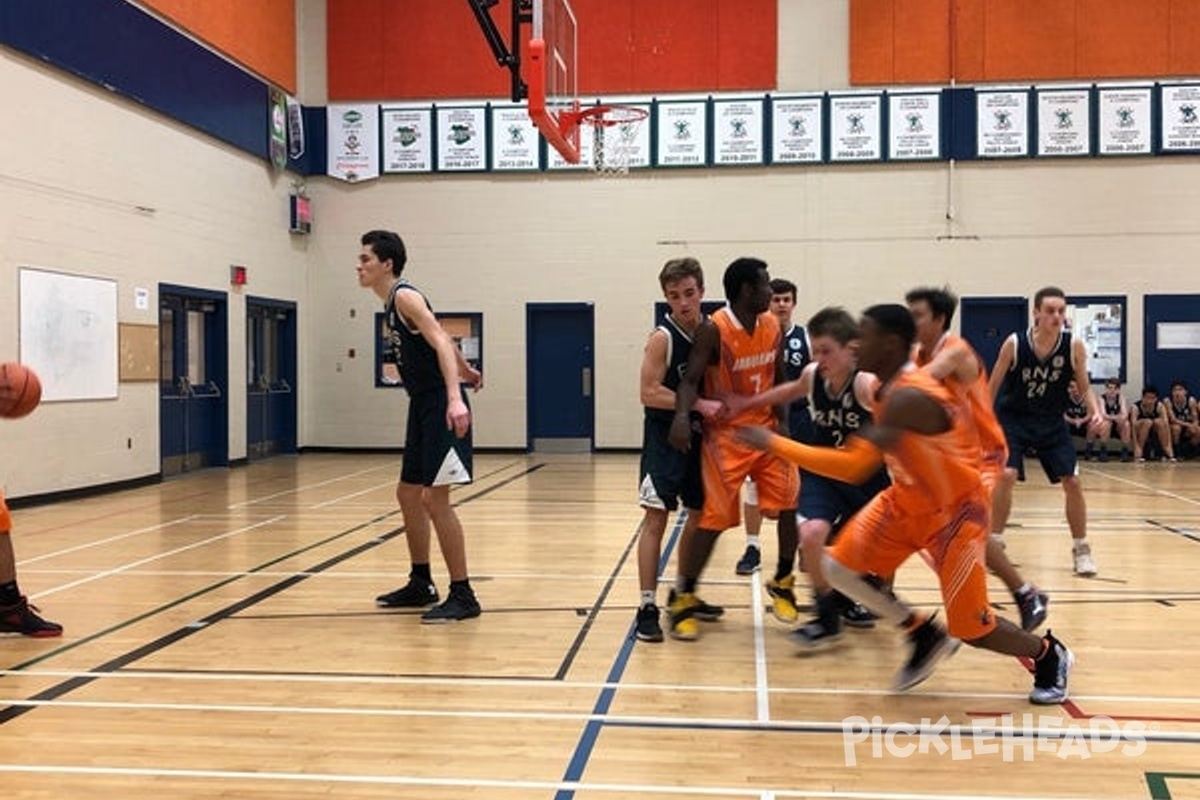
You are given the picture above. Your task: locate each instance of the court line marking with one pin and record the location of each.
(601, 718)
(491, 783)
(525, 683)
(762, 687)
(1152, 489)
(107, 540)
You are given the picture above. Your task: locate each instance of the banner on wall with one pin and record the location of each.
(855, 128)
(1180, 117)
(738, 132)
(407, 139)
(796, 129)
(1124, 114)
(462, 138)
(1003, 124)
(295, 127)
(914, 126)
(1064, 122)
(278, 132)
(514, 139)
(353, 132)
(682, 133)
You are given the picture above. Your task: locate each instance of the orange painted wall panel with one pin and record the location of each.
(1183, 43)
(1021, 40)
(922, 49)
(1030, 39)
(872, 42)
(259, 35)
(434, 48)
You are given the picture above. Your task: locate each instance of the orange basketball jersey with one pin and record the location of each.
(933, 471)
(747, 364)
(979, 400)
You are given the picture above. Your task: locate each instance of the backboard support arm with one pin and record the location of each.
(506, 56)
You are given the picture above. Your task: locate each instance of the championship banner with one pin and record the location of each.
(278, 133)
(295, 127)
(353, 132)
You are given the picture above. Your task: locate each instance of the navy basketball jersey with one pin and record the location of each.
(1077, 408)
(1038, 386)
(679, 347)
(1112, 405)
(796, 353)
(416, 358)
(1182, 414)
(836, 416)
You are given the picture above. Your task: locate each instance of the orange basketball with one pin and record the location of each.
(20, 390)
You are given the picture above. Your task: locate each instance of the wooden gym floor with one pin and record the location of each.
(222, 641)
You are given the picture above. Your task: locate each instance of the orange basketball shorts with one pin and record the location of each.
(725, 463)
(884, 533)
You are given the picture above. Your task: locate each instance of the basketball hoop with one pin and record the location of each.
(614, 136)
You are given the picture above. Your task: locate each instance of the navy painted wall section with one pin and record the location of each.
(119, 46)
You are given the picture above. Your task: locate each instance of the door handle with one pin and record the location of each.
(587, 381)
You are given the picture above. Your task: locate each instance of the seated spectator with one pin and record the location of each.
(1150, 414)
(1184, 419)
(1076, 416)
(1116, 420)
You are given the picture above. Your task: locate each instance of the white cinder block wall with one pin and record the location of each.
(848, 235)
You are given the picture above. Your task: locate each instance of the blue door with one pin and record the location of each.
(1171, 346)
(986, 322)
(193, 379)
(270, 377)
(560, 342)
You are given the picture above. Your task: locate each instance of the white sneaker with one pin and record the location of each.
(1085, 566)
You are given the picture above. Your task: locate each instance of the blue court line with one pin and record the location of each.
(587, 740)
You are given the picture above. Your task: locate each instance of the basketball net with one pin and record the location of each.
(614, 137)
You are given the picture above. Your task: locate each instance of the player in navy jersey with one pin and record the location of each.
(796, 355)
(437, 441)
(667, 477)
(1030, 384)
(1184, 417)
(1077, 415)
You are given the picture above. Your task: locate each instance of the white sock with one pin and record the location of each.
(1080, 544)
(752, 540)
(648, 597)
(1025, 587)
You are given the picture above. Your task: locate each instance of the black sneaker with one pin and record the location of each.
(460, 604)
(1034, 606)
(814, 637)
(705, 612)
(857, 616)
(930, 644)
(1050, 673)
(23, 618)
(414, 594)
(750, 561)
(648, 628)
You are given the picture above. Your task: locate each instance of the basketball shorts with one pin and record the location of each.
(5, 517)
(883, 535)
(1047, 436)
(668, 477)
(433, 455)
(832, 500)
(725, 463)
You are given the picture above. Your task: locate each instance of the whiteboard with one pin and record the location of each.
(69, 334)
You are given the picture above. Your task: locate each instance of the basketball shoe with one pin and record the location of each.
(930, 644)
(23, 618)
(1050, 673)
(417, 593)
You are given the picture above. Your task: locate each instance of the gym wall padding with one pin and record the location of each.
(939, 41)
(432, 49)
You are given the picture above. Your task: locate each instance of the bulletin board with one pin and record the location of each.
(139, 352)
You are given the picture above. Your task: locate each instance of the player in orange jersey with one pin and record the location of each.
(937, 502)
(16, 615)
(949, 357)
(738, 353)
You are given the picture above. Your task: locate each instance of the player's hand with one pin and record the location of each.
(458, 418)
(471, 377)
(755, 436)
(1096, 423)
(680, 435)
(708, 408)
